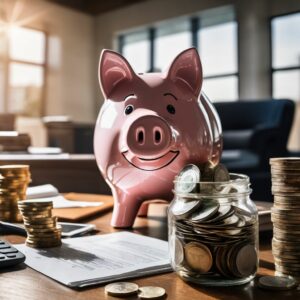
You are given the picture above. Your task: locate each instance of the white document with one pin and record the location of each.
(49, 192)
(98, 259)
(41, 191)
(61, 202)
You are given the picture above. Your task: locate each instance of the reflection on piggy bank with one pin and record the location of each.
(149, 127)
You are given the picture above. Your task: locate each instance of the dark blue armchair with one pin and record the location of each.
(254, 131)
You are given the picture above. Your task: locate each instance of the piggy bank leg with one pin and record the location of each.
(143, 211)
(125, 209)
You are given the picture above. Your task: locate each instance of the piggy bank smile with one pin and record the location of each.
(150, 164)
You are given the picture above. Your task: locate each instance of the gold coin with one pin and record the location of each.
(151, 292)
(122, 289)
(37, 215)
(30, 228)
(36, 202)
(43, 244)
(40, 220)
(43, 239)
(32, 209)
(198, 257)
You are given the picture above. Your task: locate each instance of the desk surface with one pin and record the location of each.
(25, 283)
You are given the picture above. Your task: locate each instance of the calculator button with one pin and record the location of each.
(2, 256)
(4, 246)
(10, 250)
(11, 255)
(1, 243)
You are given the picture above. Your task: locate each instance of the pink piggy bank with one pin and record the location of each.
(149, 127)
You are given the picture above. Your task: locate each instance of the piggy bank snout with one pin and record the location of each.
(149, 137)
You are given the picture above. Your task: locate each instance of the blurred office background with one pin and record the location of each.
(49, 52)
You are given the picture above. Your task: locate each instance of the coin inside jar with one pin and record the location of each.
(120, 289)
(151, 292)
(205, 213)
(198, 257)
(221, 174)
(218, 237)
(187, 179)
(183, 207)
(246, 260)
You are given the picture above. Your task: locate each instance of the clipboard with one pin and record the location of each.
(78, 213)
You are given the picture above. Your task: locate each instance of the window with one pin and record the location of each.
(218, 51)
(285, 32)
(170, 40)
(26, 71)
(286, 56)
(213, 32)
(136, 48)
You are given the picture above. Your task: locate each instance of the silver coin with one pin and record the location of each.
(183, 207)
(121, 288)
(205, 213)
(151, 292)
(187, 180)
(223, 212)
(277, 282)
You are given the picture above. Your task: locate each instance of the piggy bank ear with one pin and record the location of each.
(186, 69)
(113, 69)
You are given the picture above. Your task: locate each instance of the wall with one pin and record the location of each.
(70, 85)
(254, 35)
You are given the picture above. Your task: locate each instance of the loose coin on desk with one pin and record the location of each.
(121, 289)
(151, 292)
(277, 283)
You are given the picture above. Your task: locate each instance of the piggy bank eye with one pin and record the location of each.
(128, 109)
(171, 109)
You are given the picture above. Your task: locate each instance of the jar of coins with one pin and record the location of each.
(213, 227)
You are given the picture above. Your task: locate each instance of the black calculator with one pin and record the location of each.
(9, 255)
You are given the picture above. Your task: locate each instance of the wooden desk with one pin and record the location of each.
(24, 283)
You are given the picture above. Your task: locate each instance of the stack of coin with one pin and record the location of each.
(42, 229)
(14, 180)
(286, 215)
(212, 235)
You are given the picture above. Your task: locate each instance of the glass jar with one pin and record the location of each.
(213, 232)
